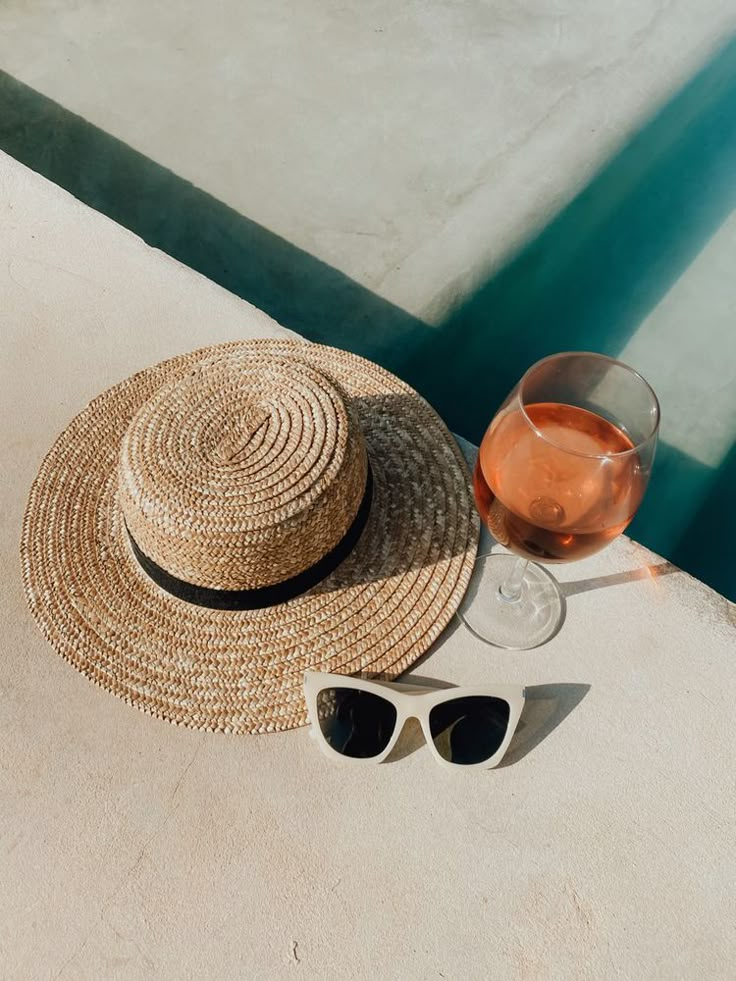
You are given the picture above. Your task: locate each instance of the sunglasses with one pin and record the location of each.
(361, 720)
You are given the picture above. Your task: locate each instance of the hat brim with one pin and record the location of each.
(242, 671)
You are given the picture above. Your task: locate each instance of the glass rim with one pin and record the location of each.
(593, 355)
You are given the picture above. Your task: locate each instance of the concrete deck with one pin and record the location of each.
(130, 849)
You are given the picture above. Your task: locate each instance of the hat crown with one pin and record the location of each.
(243, 473)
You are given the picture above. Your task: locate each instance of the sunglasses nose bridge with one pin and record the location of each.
(407, 708)
(411, 705)
(413, 713)
(409, 735)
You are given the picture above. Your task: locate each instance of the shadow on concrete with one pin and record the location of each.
(616, 579)
(588, 279)
(171, 214)
(706, 543)
(679, 488)
(584, 282)
(546, 706)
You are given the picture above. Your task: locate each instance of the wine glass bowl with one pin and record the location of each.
(561, 471)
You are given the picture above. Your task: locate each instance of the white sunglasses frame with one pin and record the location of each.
(411, 702)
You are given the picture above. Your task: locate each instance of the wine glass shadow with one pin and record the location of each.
(545, 707)
(650, 572)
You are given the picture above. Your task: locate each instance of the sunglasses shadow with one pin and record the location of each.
(545, 707)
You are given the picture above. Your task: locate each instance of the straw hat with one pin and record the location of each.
(205, 531)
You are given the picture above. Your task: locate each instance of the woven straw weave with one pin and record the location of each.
(243, 473)
(234, 467)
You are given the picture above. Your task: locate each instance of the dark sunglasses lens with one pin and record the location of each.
(355, 723)
(470, 729)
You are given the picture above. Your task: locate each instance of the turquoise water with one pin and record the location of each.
(586, 281)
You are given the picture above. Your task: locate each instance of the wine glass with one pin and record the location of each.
(560, 473)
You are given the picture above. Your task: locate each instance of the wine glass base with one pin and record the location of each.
(516, 625)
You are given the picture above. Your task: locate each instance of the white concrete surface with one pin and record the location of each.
(408, 145)
(131, 849)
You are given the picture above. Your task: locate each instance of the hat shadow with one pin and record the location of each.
(395, 411)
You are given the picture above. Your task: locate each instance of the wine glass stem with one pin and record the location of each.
(510, 590)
